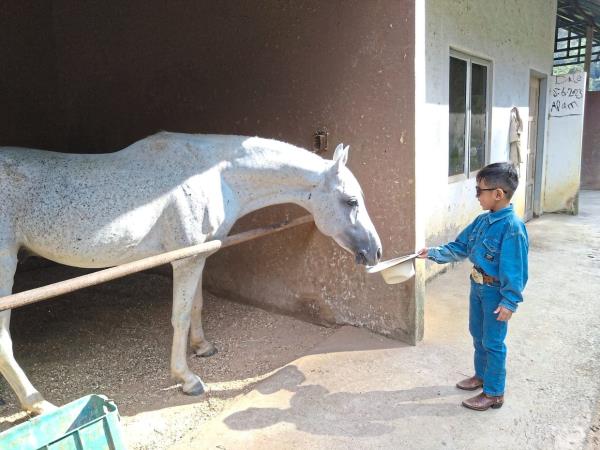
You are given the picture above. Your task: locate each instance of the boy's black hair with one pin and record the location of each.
(501, 175)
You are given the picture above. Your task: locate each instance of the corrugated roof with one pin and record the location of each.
(572, 20)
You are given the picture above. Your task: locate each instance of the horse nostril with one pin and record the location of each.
(378, 253)
(361, 257)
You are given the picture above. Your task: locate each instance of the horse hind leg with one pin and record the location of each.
(29, 397)
(200, 346)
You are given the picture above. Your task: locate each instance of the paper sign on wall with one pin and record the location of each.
(567, 94)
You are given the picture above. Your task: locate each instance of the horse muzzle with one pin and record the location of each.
(367, 258)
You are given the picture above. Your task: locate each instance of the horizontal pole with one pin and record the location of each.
(101, 276)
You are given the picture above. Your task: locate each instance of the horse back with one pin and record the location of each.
(99, 210)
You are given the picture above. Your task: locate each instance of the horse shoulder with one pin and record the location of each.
(202, 208)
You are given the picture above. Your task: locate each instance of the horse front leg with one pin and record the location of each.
(29, 397)
(186, 274)
(200, 346)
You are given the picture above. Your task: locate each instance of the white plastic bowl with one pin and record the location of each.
(395, 270)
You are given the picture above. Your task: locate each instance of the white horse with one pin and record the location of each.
(159, 194)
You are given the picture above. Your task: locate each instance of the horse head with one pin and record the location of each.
(339, 211)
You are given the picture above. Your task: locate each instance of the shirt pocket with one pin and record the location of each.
(491, 247)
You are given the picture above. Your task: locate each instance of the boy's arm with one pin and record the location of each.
(452, 251)
(513, 269)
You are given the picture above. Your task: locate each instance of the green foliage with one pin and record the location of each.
(594, 84)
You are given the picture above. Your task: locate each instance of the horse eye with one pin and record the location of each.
(352, 202)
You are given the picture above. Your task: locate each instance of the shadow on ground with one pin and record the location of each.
(349, 405)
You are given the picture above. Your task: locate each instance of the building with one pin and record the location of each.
(392, 78)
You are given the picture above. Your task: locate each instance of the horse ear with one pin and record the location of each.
(340, 156)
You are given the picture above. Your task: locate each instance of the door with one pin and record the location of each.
(532, 133)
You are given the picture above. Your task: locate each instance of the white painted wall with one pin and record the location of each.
(517, 37)
(565, 134)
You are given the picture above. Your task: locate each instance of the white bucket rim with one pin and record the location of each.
(390, 263)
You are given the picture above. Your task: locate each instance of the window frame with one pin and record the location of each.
(470, 60)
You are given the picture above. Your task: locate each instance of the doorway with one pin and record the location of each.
(534, 144)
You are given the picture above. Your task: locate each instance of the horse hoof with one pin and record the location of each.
(210, 352)
(196, 389)
(206, 350)
(41, 407)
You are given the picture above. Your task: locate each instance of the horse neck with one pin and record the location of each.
(267, 176)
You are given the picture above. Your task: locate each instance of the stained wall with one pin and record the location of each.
(96, 76)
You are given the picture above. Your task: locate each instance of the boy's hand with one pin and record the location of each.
(504, 314)
(423, 253)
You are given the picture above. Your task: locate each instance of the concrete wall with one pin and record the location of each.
(590, 164)
(563, 156)
(96, 76)
(355, 77)
(563, 166)
(517, 37)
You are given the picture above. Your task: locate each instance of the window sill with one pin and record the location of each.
(456, 178)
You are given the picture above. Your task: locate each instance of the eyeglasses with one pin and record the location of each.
(478, 190)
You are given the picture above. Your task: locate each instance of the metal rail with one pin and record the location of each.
(101, 276)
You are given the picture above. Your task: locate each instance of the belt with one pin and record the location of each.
(480, 277)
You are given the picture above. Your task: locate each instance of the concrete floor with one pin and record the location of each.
(360, 390)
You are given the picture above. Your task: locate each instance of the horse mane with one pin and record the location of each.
(234, 146)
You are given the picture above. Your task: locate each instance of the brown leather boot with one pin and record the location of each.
(483, 401)
(470, 384)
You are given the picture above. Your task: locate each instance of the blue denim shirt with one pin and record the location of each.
(496, 242)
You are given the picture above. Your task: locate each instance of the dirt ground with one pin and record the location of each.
(114, 339)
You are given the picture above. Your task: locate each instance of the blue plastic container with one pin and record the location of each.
(92, 422)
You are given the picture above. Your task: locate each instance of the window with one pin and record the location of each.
(469, 114)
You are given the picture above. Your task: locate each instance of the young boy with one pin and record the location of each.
(497, 244)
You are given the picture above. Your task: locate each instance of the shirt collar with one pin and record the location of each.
(497, 215)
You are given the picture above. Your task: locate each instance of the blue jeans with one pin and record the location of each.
(488, 337)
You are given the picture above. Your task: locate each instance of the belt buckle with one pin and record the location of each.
(476, 276)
